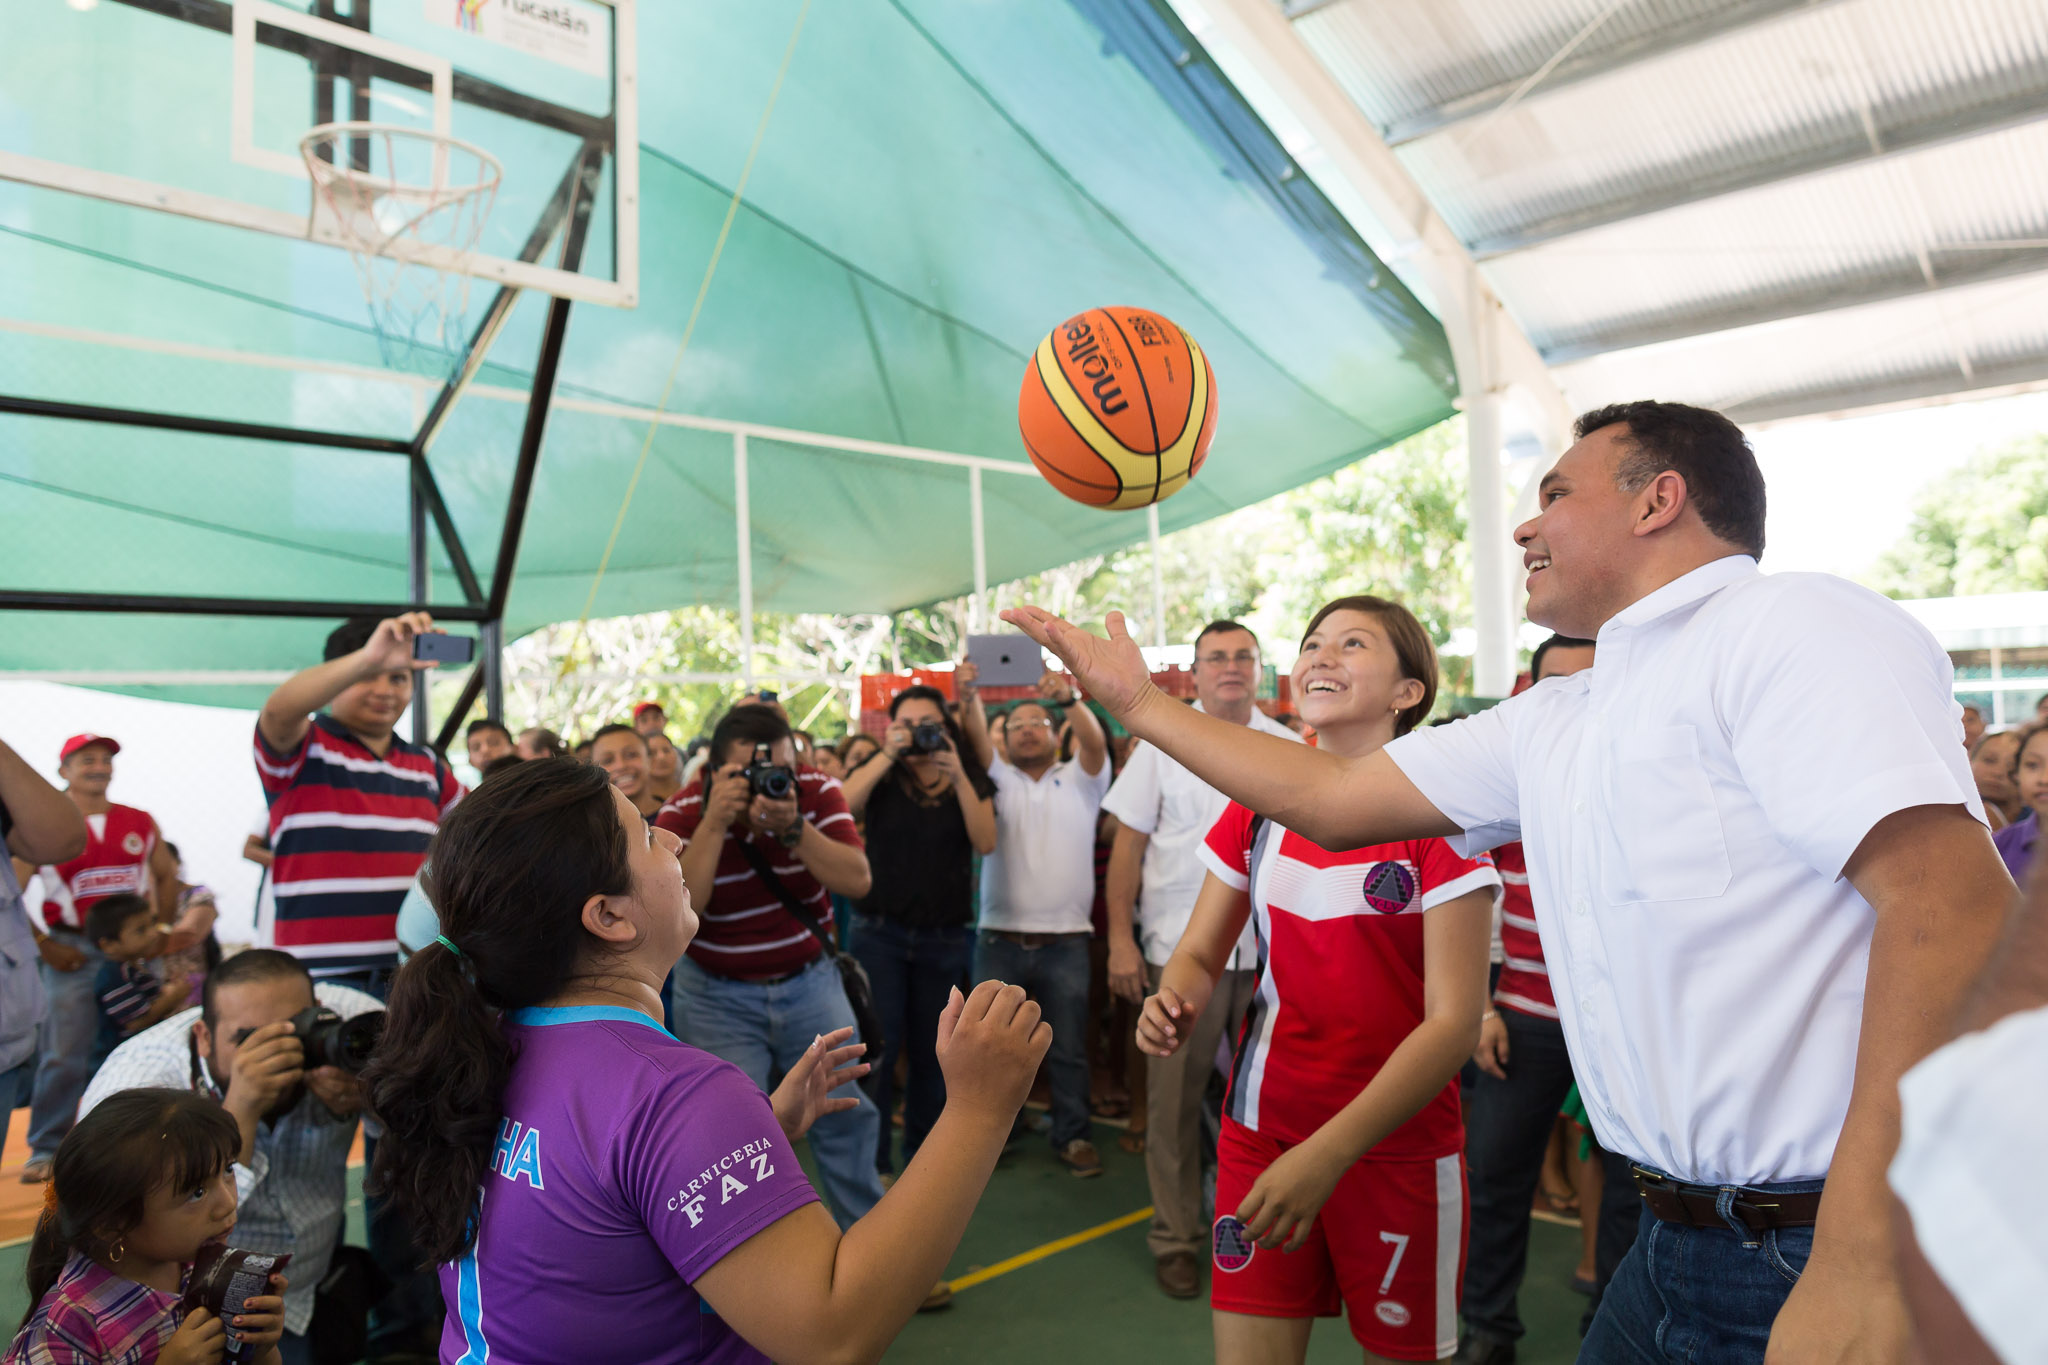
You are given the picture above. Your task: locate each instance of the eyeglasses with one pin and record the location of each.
(1218, 659)
(1031, 724)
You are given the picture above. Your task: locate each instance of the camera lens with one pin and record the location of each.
(777, 784)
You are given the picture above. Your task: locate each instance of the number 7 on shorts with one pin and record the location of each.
(1400, 1241)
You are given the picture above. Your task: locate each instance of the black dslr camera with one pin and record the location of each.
(330, 1040)
(768, 778)
(927, 737)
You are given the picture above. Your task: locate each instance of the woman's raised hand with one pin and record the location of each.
(1113, 671)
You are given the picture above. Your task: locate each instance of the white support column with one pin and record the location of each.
(1997, 692)
(1158, 578)
(743, 517)
(1493, 615)
(977, 615)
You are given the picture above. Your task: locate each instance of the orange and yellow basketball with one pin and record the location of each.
(1118, 408)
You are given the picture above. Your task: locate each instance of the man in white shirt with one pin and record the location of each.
(1037, 888)
(1163, 813)
(291, 1177)
(1761, 873)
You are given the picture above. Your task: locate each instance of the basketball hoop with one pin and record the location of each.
(410, 219)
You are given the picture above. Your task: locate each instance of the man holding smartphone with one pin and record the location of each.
(339, 877)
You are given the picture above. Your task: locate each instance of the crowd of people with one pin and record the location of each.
(1360, 1004)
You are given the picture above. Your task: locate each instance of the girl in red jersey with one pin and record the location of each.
(1340, 1179)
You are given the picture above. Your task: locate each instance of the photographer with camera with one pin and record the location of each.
(280, 1054)
(765, 846)
(930, 807)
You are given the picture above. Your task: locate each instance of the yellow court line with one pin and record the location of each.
(1022, 1259)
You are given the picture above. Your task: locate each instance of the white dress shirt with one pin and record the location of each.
(1971, 1116)
(1175, 810)
(1686, 807)
(294, 1192)
(1041, 878)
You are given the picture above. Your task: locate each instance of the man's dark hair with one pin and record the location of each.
(604, 730)
(1554, 642)
(1221, 627)
(253, 964)
(754, 724)
(110, 915)
(484, 724)
(1702, 447)
(551, 744)
(348, 637)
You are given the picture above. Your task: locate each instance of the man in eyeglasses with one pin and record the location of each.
(1163, 813)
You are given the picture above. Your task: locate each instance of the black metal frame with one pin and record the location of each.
(567, 214)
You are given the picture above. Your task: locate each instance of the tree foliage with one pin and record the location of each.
(1392, 524)
(1981, 529)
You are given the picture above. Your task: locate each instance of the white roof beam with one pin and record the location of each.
(1943, 381)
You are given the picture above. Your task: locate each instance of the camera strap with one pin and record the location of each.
(784, 894)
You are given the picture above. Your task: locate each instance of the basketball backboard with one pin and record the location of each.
(198, 107)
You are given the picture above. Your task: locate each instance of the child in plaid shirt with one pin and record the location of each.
(138, 1187)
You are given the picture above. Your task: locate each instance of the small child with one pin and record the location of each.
(139, 1186)
(130, 998)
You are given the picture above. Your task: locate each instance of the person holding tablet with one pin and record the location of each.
(580, 1174)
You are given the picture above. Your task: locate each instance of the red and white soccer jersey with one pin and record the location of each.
(1340, 975)
(1524, 983)
(115, 861)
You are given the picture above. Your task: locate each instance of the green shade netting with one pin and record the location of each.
(941, 183)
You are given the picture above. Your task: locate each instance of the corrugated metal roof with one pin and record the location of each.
(1690, 166)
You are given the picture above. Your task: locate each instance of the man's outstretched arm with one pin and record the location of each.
(1339, 803)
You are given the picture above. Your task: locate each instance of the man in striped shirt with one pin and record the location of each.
(1511, 1109)
(352, 806)
(757, 986)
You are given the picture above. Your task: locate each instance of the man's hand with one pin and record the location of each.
(1491, 1056)
(990, 1044)
(776, 817)
(1112, 670)
(966, 680)
(1844, 1311)
(1279, 1211)
(1126, 969)
(390, 647)
(805, 1095)
(271, 1061)
(61, 956)
(335, 1088)
(1166, 1022)
(730, 793)
(1055, 687)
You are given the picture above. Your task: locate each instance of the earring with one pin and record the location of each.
(117, 1251)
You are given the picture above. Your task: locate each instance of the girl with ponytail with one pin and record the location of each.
(585, 1178)
(138, 1187)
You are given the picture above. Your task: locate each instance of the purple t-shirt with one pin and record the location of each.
(627, 1164)
(2016, 845)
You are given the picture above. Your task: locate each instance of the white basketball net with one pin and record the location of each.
(411, 223)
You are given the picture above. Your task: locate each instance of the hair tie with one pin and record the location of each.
(442, 939)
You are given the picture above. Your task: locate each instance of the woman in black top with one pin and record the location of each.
(929, 808)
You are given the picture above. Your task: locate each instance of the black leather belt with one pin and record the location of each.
(1699, 1206)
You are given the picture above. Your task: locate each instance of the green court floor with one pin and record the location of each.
(1094, 1301)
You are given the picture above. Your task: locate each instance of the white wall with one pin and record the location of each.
(189, 766)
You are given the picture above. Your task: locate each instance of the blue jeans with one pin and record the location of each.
(1698, 1294)
(763, 1030)
(912, 972)
(1055, 974)
(64, 1047)
(16, 1085)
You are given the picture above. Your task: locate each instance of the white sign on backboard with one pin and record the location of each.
(569, 32)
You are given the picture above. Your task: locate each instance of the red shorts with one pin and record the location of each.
(1389, 1248)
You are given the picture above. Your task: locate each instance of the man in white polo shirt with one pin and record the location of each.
(1760, 869)
(1163, 813)
(1038, 887)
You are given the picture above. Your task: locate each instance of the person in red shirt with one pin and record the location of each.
(1513, 1104)
(1340, 1178)
(757, 987)
(124, 854)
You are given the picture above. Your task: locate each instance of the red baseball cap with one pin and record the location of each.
(644, 707)
(77, 742)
